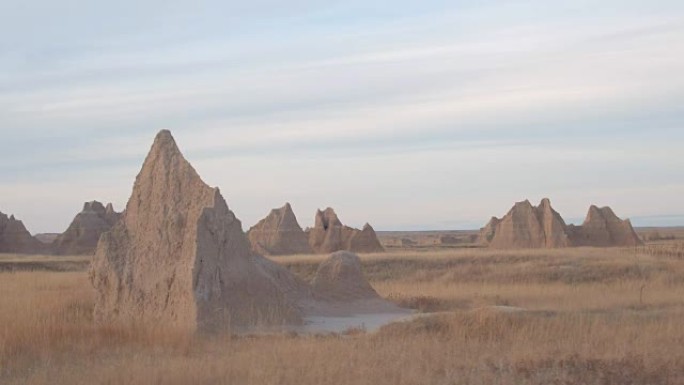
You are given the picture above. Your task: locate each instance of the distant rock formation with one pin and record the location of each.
(603, 228)
(527, 226)
(14, 238)
(279, 234)
(365, 241)
(329, 235)
(84, 231)
(178, 257)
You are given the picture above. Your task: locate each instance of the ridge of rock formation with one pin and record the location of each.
(83, 233)
(603, 228)
(279, 234)
(527, 226)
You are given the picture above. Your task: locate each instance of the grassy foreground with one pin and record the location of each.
(575, 316)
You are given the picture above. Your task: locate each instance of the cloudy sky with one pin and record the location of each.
(407, 114)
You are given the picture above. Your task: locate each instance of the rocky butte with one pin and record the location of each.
(178, 258)
(603, 228)
(84, 231)
(329, 235)
(527, 226)
(14, 238)
(279, 234)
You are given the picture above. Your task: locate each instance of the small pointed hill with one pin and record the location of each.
(14, 238)
(84, 231)
(279, 234)
(603, 228)
(527, 226)
(365, 241)
(329, 235)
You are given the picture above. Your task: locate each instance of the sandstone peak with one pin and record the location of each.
(365, 241)
(110, 209)
(327, 218)
(178, 257)
(94, 206)
(14, 238)
(164, 141)
(526, 226)
(329, 235)
(603, 228)
(279, 234)
(82, 235)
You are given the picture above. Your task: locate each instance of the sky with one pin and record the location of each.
(408, 115)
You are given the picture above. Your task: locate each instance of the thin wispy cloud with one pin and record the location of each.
(450, 110)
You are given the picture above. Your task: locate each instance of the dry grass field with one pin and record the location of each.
(570, 316)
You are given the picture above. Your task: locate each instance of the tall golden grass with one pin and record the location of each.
(576, 316)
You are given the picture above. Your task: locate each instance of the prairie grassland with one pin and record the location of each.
(575, 316)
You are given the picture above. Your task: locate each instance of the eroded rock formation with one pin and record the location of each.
(279, 234)
(527, 226)
(14, 238)
(178, 257)
(603, 228)
(329, 235)
(84, 231)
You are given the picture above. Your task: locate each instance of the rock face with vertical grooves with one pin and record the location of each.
(178, 257)
(84, 231)
(279, 234)
(603, 228)
(14, 238)
(527, 226)
(553, 226)
(329, 235)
